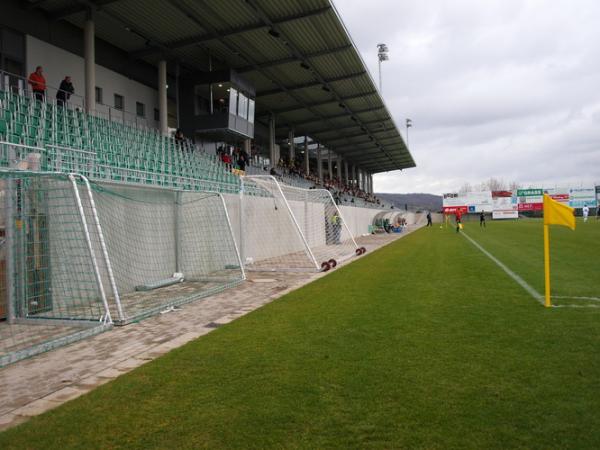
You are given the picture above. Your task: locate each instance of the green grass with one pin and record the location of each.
(575, 270)
(423, 344)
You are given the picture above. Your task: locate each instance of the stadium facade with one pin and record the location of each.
(105, 215)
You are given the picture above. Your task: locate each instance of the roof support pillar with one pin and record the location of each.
(371, 183)
(339, 168)
(319, 163)
(354, 179)
(329, 165)
(306, 156)
(272, 155)
(162, 97)
(89, 61)
(292, 145)
(346, 179)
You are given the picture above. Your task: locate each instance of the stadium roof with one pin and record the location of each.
(301, 59)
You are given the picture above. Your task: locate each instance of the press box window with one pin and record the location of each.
(140, 109)
(119, 102)
(99, 95)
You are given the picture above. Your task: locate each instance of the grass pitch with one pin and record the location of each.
(423, 344)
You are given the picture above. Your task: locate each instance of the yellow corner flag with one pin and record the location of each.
(555, 213)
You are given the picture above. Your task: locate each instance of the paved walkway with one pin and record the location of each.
(33, 386)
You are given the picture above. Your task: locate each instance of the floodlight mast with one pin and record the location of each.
(382, 55)
(408, 125)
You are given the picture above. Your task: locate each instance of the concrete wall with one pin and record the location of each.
(270, 232)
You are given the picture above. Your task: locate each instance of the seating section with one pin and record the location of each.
(71, 140)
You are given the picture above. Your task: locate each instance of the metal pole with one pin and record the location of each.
(319, 164)
(241, 221)
(10, 222)
(89, 63)
(88, 241)
(162, 96)
(177, 73)
(306, 156)
(111, 276)
(210, 86)
(237, 252)
(380, 84)
(177, 231)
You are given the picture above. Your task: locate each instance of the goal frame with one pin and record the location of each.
(297, 228)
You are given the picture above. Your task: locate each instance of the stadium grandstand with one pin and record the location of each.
(126, 129)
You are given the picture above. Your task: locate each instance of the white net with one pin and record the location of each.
(50, 290)
(289, 228)
(166, 247)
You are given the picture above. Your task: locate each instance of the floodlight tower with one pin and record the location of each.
(382, 55)
(408, 125)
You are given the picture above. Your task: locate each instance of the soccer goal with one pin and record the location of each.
(51, 291)
(166, 247)
(288, 228)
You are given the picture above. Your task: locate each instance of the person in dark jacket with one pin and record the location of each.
(64, 91)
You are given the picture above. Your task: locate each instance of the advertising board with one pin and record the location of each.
(579, 197)
(505, 208)
(561, 195)
(530, 199)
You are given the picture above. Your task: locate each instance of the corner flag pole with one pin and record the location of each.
(555, 213)
(547, 302)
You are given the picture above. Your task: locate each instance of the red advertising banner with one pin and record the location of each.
(531, 206)
(564, 198)
(501, 194)
(453, 209)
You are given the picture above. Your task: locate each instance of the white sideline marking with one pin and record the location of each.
(594, 299)
(535, 294)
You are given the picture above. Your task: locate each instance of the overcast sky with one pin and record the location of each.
(495, 88)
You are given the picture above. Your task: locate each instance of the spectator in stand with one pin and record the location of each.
(179, 138)
(273, 172)
(38, 83)
(242, 160)
(226, 159)
(64, 92)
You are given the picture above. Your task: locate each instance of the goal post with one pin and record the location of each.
(288, 228)
(167, 247)
(51, 291)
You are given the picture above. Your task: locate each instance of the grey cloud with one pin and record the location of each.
(505, 89)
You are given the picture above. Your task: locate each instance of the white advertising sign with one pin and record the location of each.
(580, 197)
(505, 208)
(479, 201)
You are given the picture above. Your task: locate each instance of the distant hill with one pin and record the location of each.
(418, 201)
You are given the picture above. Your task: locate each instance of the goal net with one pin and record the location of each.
(166, 247)
(50, 285)
(288, 228)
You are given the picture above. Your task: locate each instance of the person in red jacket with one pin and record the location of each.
(458, 220)
(38, 83)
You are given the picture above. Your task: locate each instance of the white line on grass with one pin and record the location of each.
(535, 294)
